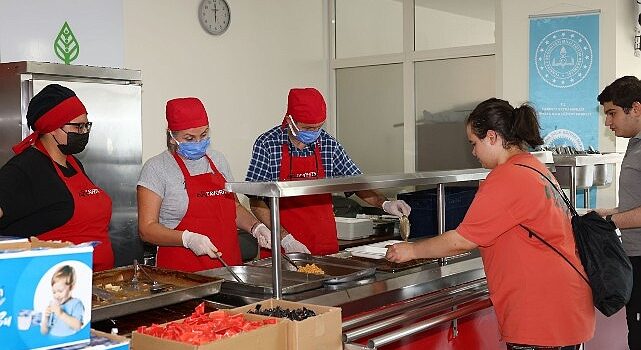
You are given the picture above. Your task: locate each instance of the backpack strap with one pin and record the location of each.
(563, 195)
(572, 210)
(532, 233)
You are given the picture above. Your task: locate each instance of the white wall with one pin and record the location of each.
(616, 55)
(28, 29)
(242, 77)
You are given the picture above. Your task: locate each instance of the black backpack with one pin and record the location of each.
(608, 268)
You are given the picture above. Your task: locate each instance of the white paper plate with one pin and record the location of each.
(372, 251)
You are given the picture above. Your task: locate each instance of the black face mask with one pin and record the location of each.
(76, 143)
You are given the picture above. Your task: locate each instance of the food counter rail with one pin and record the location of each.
(278, 189)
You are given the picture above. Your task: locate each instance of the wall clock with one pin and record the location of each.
(214, 16)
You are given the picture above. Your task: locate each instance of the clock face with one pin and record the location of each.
(214, 16)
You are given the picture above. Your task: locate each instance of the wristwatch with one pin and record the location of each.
(608, 218)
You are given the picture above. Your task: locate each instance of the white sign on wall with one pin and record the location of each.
(34, 30)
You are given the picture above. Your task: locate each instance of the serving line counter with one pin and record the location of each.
(419, 305)
(379, 310)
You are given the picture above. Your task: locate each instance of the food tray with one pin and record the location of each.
(337, 270)
(375, 254)
(258, 279)
(388, 266)
(181, 286)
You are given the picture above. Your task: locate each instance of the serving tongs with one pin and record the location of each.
(289, 260)
(229, 268)
(155, 286)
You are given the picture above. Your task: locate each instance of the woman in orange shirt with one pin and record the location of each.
(539, 300)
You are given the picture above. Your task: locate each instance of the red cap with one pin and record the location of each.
(306, 106)
(185, 113)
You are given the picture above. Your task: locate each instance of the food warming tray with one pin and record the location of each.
(336, 270)
(258, 279)
(180, 286)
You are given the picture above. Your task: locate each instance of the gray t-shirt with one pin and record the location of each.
(630, 193)
(161, 174)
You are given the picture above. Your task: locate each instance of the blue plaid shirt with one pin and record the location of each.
(267, 156)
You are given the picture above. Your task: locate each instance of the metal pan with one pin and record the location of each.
(179, 287)
(336, 270)
(258, 280)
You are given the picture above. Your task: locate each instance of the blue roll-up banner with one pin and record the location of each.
(564, 79)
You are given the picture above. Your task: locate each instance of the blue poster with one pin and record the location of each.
(564, 78)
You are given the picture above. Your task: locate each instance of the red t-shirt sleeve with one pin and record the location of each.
(492, 211)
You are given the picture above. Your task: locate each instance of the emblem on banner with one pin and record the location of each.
(564, 137)
(563, 58)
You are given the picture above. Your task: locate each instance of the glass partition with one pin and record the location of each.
(369, 104)
(446, 93)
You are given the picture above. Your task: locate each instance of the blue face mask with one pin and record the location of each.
(193, 150)
(304, 136)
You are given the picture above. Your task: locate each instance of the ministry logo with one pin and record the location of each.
(563, 58)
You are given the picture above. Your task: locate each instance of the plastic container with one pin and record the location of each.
(423, 218)
(353, 228)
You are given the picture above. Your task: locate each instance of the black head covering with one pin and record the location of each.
(45, 100)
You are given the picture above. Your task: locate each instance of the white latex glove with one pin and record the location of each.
(263, 235)
(199, 244)
(292, 245)
(397, 207)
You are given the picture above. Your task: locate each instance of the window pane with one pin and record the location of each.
(446, 93)
(368, 27)
(370, 116)
(442, 24)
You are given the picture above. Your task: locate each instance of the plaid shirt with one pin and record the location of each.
(267, 156)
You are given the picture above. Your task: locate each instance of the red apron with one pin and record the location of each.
(91, 215)
(211, 212)
(309, 218)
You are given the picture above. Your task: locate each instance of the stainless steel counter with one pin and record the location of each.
(383, 289)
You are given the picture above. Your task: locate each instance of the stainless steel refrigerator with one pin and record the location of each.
(113, 157)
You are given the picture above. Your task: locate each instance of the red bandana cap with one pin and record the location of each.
(185, 113)
(306, 106)
(50, 109)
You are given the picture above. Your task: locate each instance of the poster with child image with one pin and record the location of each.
(47, 297)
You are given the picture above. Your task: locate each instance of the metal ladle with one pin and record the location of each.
(404, 227)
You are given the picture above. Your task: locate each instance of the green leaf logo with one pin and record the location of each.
(66, 46)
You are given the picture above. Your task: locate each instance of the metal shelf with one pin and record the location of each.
(281, 189)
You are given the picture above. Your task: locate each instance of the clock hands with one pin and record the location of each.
(215, 12)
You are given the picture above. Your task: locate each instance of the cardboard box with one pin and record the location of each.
(267, 337)
(101, 341)
(27, 281)
(321, 332)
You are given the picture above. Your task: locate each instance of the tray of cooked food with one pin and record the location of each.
(258, 279)
(125, 290)
(336, 270)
